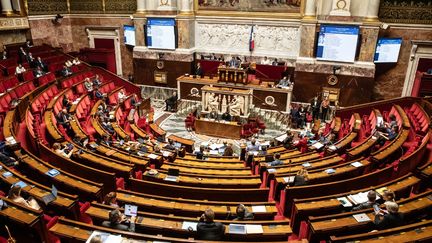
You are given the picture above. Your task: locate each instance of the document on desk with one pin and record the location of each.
(187, 224)
(332, 147)
(357, 164)
(237, 229)
(152, 156)
(254, 229)
(259, 209)
(281, 138)
(289, 179)
(105, 237)
(317, 145)
(345, 202)
(361, 217)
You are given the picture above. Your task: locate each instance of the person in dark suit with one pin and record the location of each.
(65, 71)
(369, 204)
(207, 229)
(41, 64)
(66, 103)
(99, 94)
(198, 70)
(213, 114)
(243, 214)
(226, 116)
(118, 221)
(301, 178)
(31, 60)
(38, 72)
(390, 219)
(170, 145)
(228, 150)
(200, 154)
(63, 118)
(315, 105)
(171, 102)
(22, 54)
(287, 142)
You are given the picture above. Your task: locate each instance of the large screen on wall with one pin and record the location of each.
(337, 43)
(129, 35)
(387, 50)
(160, 33)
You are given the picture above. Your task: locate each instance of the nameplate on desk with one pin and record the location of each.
(110, 152)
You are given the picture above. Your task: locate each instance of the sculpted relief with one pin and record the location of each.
(291, 6)
(279, 40)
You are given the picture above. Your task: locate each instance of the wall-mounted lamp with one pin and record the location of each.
(57, 19)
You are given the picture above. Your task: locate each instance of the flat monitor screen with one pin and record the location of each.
(387, 50)
(129, 35)
(337, 43)
(160, 33)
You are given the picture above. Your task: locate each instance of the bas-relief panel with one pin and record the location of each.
(288, 6)
(276, 40)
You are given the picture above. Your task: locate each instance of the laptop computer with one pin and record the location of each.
(172, 174)
(130, 210)
(50, 197)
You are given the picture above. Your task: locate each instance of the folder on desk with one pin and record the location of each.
(237, 229)
(152, 156)
(361, 217)
(53, 173)
(357, 164)
(7, 174)
(254, 229)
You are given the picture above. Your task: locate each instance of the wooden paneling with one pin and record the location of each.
(144, 70)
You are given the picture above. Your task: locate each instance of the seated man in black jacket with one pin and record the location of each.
(170, 103)
(118, 221)
(390, 219)
(207, 229)
(243, 214)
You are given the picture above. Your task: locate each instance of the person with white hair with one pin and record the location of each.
(390, 218)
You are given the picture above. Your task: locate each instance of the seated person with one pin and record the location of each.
(302, 144)
(38, 72)
(121, 96)
(287, 142)
(243, 214)
(65, 152)
(170, 103)
(7, 160)
(265, 61)
(63, 118)
(65, 71)
(99, 94)
(284, 82)
(276, 160)
(88, 85)
(389, 136)
(233, 63)
(68, 63)
(390, 218)
(111, 199)
(19, 69)
(66, 102)
(106, 125)
(253, 146)
(106, 140)
(200, 154)
(119, 221)
(198, 71)
(76, 61)
(228, 150)
(41, 64)
(369, 204)
(226, 116)
(15, 195)
(96, 81)
(301, 178)
(170, 145)
(389, 196)
(207, 229)
(213, 114)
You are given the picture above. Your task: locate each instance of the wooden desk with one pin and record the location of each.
(188, 143)
(218, 129)
(238, 172)
(157, 131)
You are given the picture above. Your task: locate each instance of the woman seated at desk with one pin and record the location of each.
(15, 195)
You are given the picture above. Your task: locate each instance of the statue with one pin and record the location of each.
(212, 102)
(235, 106)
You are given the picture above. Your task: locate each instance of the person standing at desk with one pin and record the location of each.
(207, 229)
(233, 63)
(198, 71)
(213, 114)
(266, 61)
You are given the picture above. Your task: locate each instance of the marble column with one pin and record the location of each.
(141, 6)
(6, 7)
(372, 10)
(310, 9)
(185, 5)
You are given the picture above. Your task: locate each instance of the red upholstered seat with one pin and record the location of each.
(51, 237)
(120, 183)
(83, 217)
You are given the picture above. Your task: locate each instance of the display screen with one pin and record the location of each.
(387, 50)
(129, 35)
(160, 33)
(337, 43)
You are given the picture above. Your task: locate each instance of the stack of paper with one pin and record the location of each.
(165, 153)
(187, 224)
(259, 209)
(357, 164)
(317, 145)
(289, 179)
(152, 156)
(281, 138)
(254, 229)
(307, 164)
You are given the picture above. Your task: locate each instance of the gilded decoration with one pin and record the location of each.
(403, 11)
(116, 6)
(40, 7)
(86, 6)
